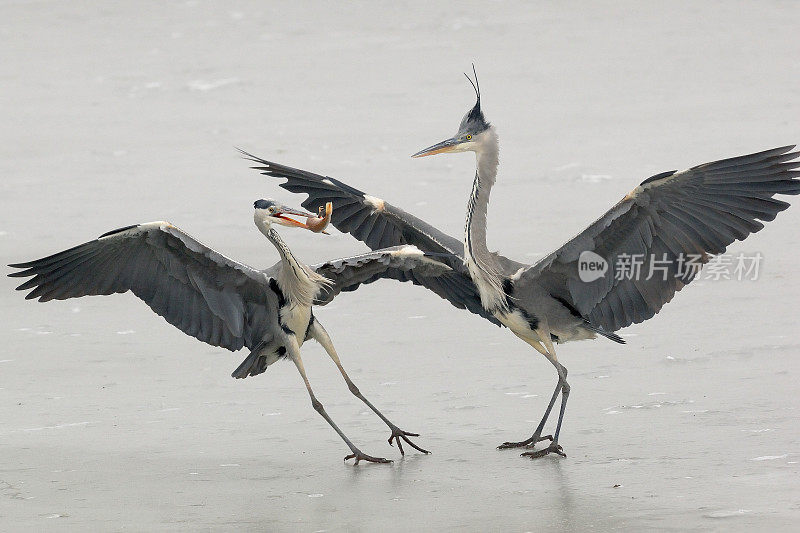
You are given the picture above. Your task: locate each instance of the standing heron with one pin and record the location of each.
(668, 218)
(222, 302)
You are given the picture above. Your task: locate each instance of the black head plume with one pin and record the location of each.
(475, 86)
(474, 121)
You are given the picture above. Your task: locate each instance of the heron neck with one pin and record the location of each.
(297, 282)
(482, 264)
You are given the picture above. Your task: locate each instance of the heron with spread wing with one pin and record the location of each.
(668, 218)
(225, 303)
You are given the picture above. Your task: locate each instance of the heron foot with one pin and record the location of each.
(554, 447)
(358, 455)
(527, 443)
(399, 436)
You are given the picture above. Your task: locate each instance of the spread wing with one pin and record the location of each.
(199, 291)
(401, 263)
(670, 220)
(348, 273)
(370, 220)
(379, 225)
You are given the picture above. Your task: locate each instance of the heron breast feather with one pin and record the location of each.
(296, 319)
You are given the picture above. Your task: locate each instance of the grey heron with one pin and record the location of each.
(223, 302)
(667, 217)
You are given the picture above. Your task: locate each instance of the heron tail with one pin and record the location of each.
(258, 361)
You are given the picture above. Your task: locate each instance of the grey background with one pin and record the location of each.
(116, 114)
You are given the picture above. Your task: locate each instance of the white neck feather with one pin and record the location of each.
(298, 283)
(482, 263)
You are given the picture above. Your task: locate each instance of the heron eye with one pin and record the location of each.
(469, 137)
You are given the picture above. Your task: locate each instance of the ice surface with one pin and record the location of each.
(116, 113)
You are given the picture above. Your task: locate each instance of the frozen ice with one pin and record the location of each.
(130, 112)
(595, 178)
(208, 85)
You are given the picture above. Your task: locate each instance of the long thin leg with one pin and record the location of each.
(537, 434)
(294, 353)
(319, 334)
(554, 447)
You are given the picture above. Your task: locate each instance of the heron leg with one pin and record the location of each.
(550, 354)
(537, 434)
(319, 334)
(358, 455)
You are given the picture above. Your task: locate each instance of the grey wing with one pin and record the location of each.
(199, 291)
(672, 220)
(402, 263)
(370, 220)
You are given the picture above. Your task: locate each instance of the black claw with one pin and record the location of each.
(415, 446)
(362, 456)
(527, 443)
(398, 434)
(553, 448)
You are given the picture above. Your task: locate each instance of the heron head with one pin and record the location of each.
(271, 212)
(470, 132)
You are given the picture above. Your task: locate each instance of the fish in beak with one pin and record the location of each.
(270, 211)
(282, 216)
(317, 224)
